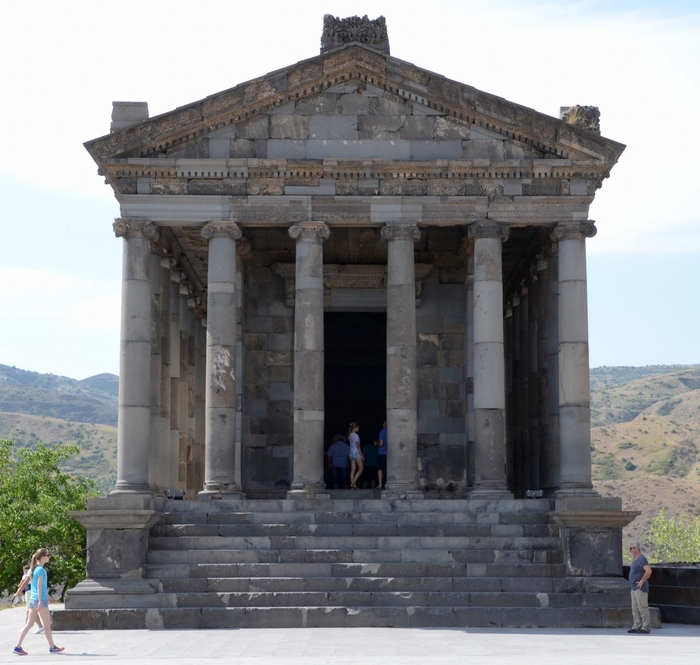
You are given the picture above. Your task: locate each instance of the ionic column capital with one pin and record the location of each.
(307, 231)
(574, 230)
(480, 230)
(221, 229)
(400, 231)
(126, 227)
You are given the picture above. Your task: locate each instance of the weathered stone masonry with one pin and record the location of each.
(356, 185)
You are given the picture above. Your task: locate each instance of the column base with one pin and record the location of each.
(133, 490)
(402, 492)
(223, 493)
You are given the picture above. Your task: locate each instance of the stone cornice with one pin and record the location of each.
(464, 104)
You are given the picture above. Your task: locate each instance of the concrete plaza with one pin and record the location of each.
(346, 646)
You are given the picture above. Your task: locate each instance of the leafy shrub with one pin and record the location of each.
(675, 539)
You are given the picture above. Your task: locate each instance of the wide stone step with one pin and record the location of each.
(360, 598)
(386, 543)
(355, 517)
(342, 617)
(351, 530)
(365, 584)
(353, 556)
(408, 569)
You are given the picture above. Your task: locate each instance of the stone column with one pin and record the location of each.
(468, 252)
(156, 367)
(220, 399)
(553, 457)
(308, 359)
(542, 360)
(243, 253)
(533, 382)
(135, 357)
(574, 380)
(522, 387)
(199, 392)
(174, 443)
(489, 371)
(164, 434)
(401, 384)
(183, 390)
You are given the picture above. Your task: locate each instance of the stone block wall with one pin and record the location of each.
(268, 346)
(440, 326)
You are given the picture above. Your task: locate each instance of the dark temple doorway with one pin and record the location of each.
(355, 373)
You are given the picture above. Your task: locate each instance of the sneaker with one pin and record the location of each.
(38, 630)
(19, 651)
(634, 630)
(55, 649)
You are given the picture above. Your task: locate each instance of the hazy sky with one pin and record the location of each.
(65, 62)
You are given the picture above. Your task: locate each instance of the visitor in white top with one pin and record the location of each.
(357, 460)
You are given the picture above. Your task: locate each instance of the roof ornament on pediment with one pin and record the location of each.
(586, 117)
(340, 31)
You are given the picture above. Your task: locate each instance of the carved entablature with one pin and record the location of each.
(340, 31)
(350, 276)
(586, 117)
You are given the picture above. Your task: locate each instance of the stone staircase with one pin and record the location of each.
(355, 562)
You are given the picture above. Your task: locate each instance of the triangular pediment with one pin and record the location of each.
(355, 103)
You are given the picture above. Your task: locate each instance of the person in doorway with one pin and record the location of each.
(369, 478)
(38, 602)
(338, 455)
(356, 458)
(640, 572)
(381, 456)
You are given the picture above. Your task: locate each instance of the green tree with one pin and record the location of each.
(35, 497)
(675, 539)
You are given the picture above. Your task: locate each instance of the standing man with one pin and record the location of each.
(338, 455)
(381, 457)
(640, 572)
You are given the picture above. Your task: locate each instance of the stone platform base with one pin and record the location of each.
(362, 562)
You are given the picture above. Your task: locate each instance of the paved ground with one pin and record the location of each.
(348, 646)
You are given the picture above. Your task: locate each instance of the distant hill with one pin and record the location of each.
(56, 409)
(92, 400)
(646, 439)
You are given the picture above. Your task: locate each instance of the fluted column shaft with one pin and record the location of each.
(220, 391)
(574, 380)
(156, 367)
(401, 381)
(135, 357)
(174, 442)
(489, 370)
(164, 434)
(308, 359)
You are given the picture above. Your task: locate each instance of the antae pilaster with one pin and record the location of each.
(220, 390)
(574, 380)
(489, 361)
(401, 384)
(135, 356)
(308, 359)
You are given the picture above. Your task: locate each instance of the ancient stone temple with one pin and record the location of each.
(353, 239)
